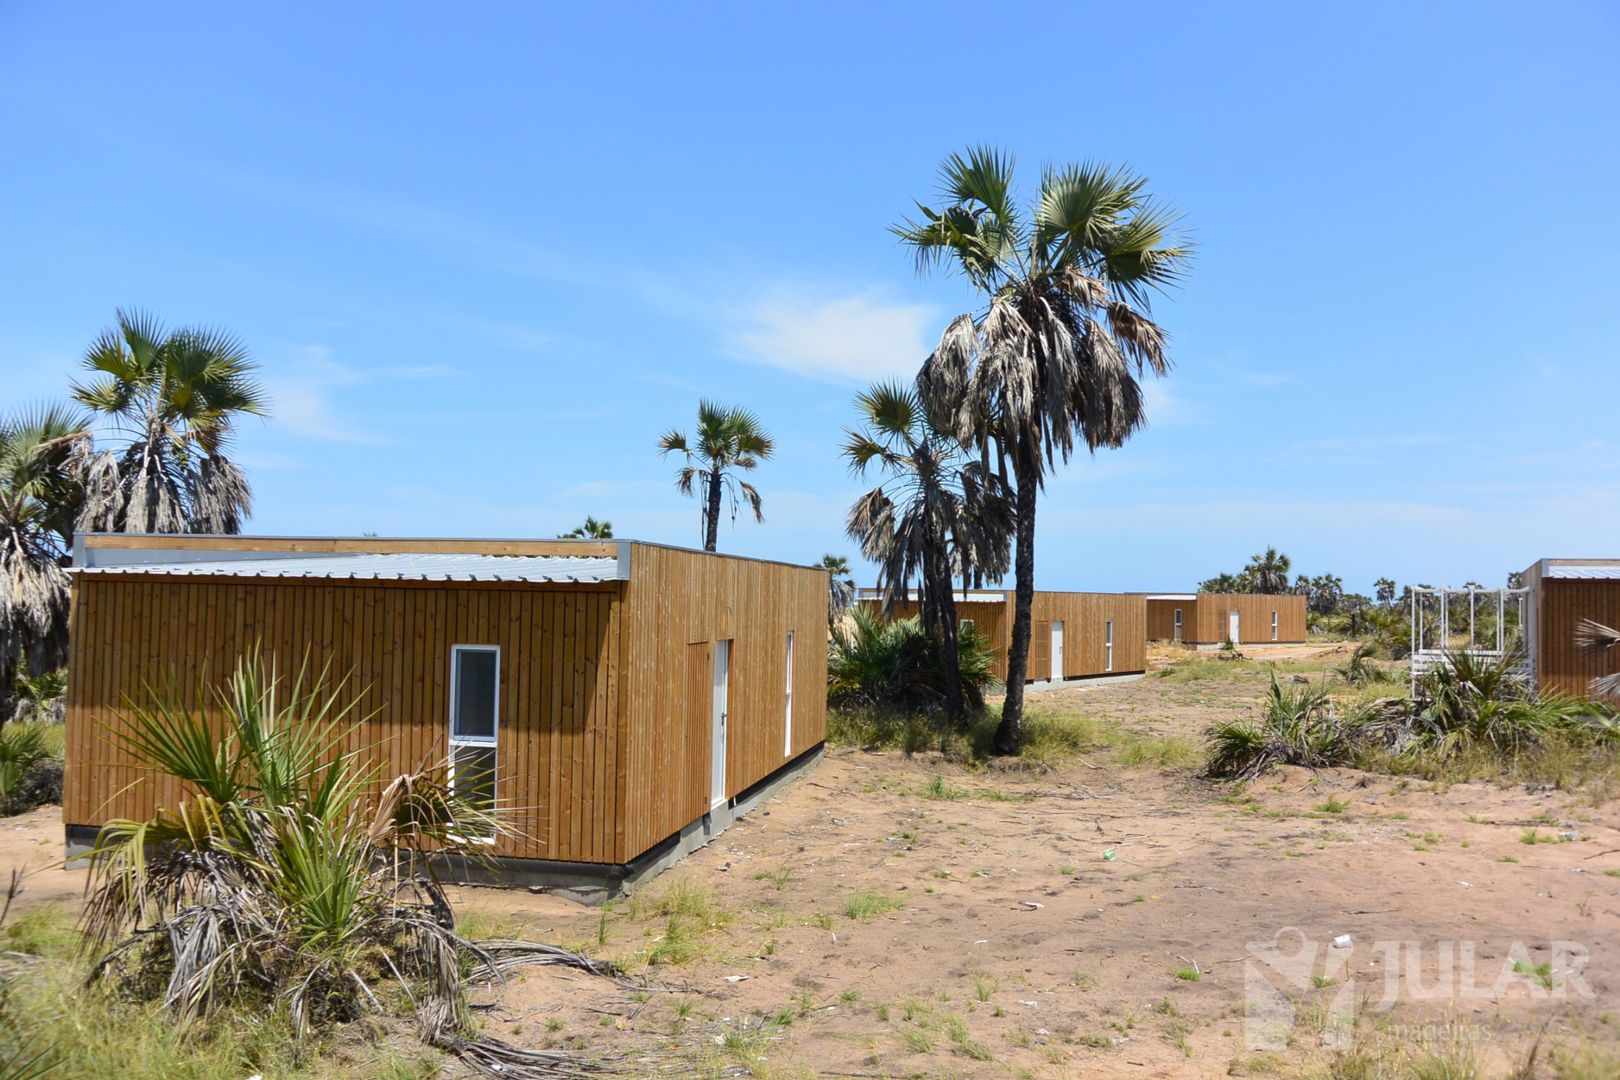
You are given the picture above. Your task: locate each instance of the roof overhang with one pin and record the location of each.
(551, 569)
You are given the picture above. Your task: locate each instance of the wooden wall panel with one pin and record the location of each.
(560, 663)
(1085, 617)
(1559, 605)
(1254, 617)
(677, 604)
(1161, 619)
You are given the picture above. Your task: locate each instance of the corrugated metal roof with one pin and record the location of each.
(1586, 571)
(554, 568)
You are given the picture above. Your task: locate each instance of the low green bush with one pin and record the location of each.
(895, 664)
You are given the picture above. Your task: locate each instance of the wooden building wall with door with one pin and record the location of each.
(601, 718)
(1261, 618)
(1206, 618)
(1097, 634)
(1563, 592)
(1103, 633)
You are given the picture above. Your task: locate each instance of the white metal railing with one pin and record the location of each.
(1496, 629)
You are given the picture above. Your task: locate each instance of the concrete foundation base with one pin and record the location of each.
(1083, 680)
(588, 883)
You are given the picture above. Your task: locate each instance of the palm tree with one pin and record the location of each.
(1594, 638)
(840, 587)
(726, 439)
(39, 457)
(932, 513)
(172, 396)
(591, 530)
(1055, 355)
(1269, 571)
(1384, 590)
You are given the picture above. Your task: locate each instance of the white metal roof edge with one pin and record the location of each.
(557, 569)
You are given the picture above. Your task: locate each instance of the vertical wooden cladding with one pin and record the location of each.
(676, 605)
(1254, 618)
(1559, 606)
(1085, 618)
(558, 736)
(1161, 619)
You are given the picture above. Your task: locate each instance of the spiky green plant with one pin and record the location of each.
(1298, 726)
(293, 871)
(894, 663)
(1361, 669)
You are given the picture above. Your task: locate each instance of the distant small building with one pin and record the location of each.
(1214, 618)
(1561, 593)
(1075, 635)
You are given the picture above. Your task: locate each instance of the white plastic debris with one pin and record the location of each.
(735, 978)
(1033, 905)
(1343, 941)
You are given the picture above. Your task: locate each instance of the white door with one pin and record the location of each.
(1232, 628)
(717, 746)
(1057, 651)
(1178, 624)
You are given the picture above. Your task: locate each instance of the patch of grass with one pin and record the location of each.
(1095, 1041)
(1507, 858)
(691, 913)
(83, 1031)
(1332, 806)
(1186, 974)
(778, 877)
(1068, 870)
(1531, 836)
(1539, 973)
(867, 904)
(1158, 751)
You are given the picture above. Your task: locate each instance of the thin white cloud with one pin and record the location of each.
(304, 399)
(855, 338)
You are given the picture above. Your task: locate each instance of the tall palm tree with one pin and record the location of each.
(591, 530)
(172, 397)
(39, 456)
(1384, 590)
(1054, 357)
(1269, 571)
(932, 512)
(726, 439)
(840, 587)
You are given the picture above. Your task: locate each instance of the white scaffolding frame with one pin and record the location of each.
(1519, 646)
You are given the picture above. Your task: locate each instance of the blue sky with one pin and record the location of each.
(486, 254)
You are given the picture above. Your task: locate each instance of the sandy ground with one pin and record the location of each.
(1017, 946)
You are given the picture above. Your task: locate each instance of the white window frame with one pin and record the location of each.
(787, 726)
(1273, 626)
(492, 740)
(1108, 646)
(1177, 634)
(964, 624)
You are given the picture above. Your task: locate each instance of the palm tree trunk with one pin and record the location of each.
(711, 513)
(1010, 733)
(955, 706)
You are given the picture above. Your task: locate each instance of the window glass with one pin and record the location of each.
(475, 694)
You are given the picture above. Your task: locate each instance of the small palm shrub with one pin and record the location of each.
(30, 766)
(1361, 669)
(41, 698)
(294, 874)
(895, 664)
(1298, 726)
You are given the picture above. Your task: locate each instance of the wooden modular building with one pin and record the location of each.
(1214, 618)
(1561, 593)
(1074, 635)
(625, 698)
